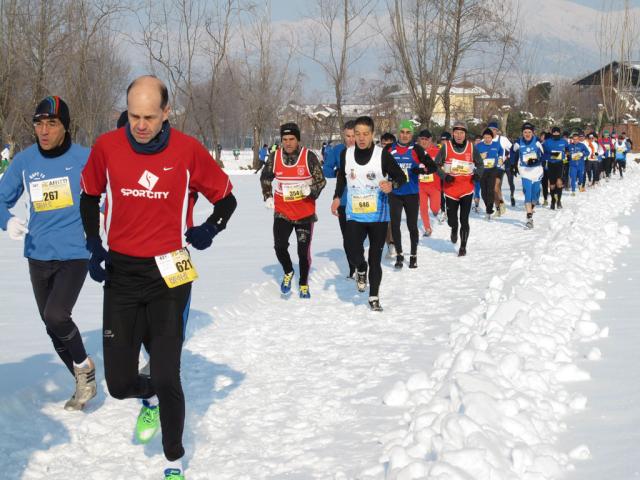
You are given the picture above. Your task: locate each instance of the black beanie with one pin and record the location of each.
(53, 107)
(425, 134)
(488, 131)
(290, 129)
(528, 126)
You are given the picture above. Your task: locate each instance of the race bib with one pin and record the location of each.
(364, 203)
(51, 194)
(426, 178)
(607, 146)
(530, 156)
(176, 268)
(489, 162)
(460, 167)
(620, 149)
(576, 156)
(556, 155)
(292, 192)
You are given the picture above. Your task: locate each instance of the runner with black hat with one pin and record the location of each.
(298, 183)
(459, 164)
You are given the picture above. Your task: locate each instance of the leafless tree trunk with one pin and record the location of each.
(59, 47)
(336, 41)
(266, 82)
(617, 41)
(418, 42)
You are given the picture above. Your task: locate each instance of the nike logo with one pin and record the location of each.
(166, 169)
(68, 168)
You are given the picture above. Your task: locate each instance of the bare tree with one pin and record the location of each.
(267, 80)
(419, 43)
(171, 33)
(58, 47)
(97, 75)
(470, 26)
(617, 41)
(337, 39)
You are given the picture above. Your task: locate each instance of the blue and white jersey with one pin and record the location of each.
(578, 153)
(529, 158)
(331, 166)
(492, 155)
(365, 201)
(405, 157)
(53, 193)
(555, 150)
(621, 148)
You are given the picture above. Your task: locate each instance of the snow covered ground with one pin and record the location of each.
(516, 362)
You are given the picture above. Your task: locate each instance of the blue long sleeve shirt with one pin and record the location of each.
(332, 165)
(52, 188)
(555, 150)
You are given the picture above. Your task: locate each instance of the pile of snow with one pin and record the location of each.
(493, 405)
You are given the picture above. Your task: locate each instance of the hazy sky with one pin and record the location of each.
(315, 84)
(288, 10)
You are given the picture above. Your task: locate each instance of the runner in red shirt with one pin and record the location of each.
(430, 184)
(291, 181)
(149, 171)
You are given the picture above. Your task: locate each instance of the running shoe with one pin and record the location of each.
(85, 386)
(374, 304)
(173, 474)
(285, 286)
(304, 291)
(148, 422)
(361, 281)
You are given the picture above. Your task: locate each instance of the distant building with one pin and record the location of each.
(467, 101)
(616, 86)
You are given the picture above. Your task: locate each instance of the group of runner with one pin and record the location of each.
(150, 175)
(411, 174)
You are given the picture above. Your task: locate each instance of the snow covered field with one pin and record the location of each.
(516, 362)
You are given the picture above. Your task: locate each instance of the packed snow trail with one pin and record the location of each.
(287, 388)
(494, 404)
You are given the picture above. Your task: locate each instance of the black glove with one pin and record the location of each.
(201, 236)
(449, 178)
(476, 177)
(531, 161)
(98, 255)
(418, 170)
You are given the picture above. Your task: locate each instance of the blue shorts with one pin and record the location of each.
(531, 190)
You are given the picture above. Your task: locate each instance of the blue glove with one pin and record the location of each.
(201, 236)
(98, 255)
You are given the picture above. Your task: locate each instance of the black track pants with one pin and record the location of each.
(357, 232)
(411, 206)
(56, 286)
(304, 232)
(139, 306)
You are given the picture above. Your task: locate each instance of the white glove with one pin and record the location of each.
(268, 203)
(16, 228)
(306, 189)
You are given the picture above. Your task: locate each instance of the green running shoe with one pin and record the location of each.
(148, 423)
(173, 474)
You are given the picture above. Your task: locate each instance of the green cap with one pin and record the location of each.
(406, 125)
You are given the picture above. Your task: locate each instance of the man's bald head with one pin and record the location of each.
(146, 85)
(147, 107)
